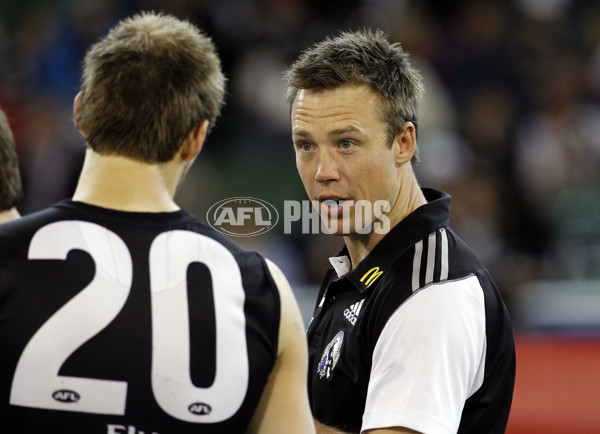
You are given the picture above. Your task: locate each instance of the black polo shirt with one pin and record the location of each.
(417, 335)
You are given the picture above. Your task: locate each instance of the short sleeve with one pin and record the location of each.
(428, 359)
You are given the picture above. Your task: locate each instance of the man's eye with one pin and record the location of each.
(304, 146)
(346, 144)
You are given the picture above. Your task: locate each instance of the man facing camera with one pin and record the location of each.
(409, 333)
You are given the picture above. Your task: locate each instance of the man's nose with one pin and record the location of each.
(327, 168)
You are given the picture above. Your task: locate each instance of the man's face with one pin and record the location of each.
(342, 152)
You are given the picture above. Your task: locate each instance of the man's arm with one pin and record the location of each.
(440, 364)
(324, 429)
(284, 403)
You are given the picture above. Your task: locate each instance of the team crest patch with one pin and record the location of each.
(330, 356)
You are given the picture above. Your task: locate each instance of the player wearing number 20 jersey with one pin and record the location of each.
(131, 322)
(120, 313)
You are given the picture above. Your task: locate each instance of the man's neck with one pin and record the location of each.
(410, 198)
(8, 215)
(126, 185)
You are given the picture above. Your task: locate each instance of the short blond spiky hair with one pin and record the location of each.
(146, 85)
(362, 58)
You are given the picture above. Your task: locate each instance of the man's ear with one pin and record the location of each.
(193, 143)
(75, 109)
(405, 144)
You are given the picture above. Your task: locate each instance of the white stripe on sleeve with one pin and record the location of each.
(431, 243)
(444, 255)
(417, 265)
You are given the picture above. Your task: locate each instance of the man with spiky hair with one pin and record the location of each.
(123, 313)
(11, 190)
(410, 333)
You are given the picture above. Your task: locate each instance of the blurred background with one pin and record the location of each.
(510, 127)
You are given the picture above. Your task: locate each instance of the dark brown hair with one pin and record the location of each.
(146, 85)
(362, 58)
(11, 189)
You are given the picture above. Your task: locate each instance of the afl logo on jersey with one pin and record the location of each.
(330, 356)
(242, 216)
(67, 396)
(200, 408)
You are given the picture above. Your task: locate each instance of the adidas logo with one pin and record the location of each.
(352, 312)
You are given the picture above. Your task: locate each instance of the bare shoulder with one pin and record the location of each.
(284, 405)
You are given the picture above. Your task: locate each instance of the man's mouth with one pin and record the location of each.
(334, 202)
(335, 206)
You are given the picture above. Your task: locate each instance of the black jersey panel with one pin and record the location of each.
(104, 305)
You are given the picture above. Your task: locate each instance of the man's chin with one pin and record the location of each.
(335, 226)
